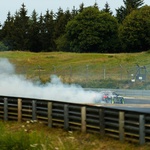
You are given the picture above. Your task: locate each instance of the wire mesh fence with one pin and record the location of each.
(91, 74)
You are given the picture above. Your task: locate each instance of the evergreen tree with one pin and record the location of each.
(81, 7)
(95, 5)
(0, 32)
(59, 24)
(74, 12)
(48, 35)
(7, 32)
(107, 9)
(33, 33)
(129, 6)
(20, 29)
(41, 30)
(61, 21)
(61, 41)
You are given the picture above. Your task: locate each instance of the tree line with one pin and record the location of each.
(87, 29)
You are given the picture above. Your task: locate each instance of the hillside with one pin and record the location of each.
(86, 69)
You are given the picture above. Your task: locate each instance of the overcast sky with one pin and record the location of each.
(42, 5)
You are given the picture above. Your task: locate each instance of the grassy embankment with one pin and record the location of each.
(35, 136)
(88, 70)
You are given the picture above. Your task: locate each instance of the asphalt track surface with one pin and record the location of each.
(134, 100)
(139, 105)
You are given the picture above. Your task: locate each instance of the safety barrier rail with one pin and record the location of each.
(122, 124)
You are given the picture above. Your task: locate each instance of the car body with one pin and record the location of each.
(109, 97)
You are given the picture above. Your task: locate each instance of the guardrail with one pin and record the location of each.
(124, 125)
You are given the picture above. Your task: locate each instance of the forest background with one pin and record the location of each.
(87, 29)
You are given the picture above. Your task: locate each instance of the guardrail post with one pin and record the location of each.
(5, 109)
(49, 114)
(19, 110)
(66, 117)
(33, 109)
(121, 126)
(83, 119)
(102, 122)
(142, 129)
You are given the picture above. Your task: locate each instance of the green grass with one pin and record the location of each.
(86, 69)
(63, 58)
(36, 136)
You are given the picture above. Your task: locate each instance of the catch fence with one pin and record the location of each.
(91, 75)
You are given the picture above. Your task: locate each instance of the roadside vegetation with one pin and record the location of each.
(31, 135)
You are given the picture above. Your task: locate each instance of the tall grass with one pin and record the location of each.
(17, 139)
(36, 136)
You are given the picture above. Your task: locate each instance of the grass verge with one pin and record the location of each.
(36, 136)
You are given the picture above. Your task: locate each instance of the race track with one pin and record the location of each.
(132, 104)
(132, 100)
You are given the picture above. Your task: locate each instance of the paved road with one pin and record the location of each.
(133, 104)
(132, 100)
(143, 109)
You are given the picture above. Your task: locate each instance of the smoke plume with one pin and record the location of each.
(12, 84)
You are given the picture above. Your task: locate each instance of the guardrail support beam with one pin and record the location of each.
(5, 109)
(142, 129)
(102, 121)
(49, 114)
(66, 117)
(83, 119)
(19, 110)
(33, 109)
(121, 126)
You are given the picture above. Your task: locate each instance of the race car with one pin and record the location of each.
(109, 97)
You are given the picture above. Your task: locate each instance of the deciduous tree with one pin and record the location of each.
(135, 31)
(92, 31)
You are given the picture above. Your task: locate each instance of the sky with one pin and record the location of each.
(42, 5)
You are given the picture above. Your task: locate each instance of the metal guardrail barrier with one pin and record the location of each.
(124, 125)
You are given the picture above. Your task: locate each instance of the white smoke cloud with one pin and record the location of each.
(12, 84)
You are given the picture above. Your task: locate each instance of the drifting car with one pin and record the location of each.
(110, 97)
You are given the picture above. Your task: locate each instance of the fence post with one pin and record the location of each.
(104, 73)
(142, 129)
(83, 119)
(121, 126)
(49, 114)
(121, 71)
(102, 122)
(19, 110)
(5, 109)
(66, 117)
(33, 109)
(87, 72)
